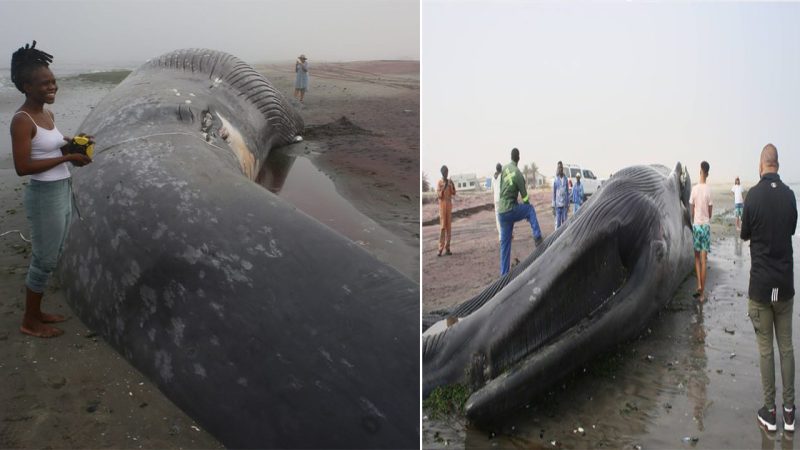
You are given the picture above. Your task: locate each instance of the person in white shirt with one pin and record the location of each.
(738, 202)
(700, 205)
(496, 191)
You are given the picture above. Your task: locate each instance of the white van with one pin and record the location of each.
(589, 181)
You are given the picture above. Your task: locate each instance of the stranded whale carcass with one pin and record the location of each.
(268, 328)
(592, 284)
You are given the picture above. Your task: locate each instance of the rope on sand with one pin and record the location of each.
(18, 232)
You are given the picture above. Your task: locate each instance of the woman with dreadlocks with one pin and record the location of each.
(39, 151)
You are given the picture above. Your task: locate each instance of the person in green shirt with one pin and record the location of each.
(509, 211)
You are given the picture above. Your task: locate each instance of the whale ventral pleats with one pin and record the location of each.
(222, 69)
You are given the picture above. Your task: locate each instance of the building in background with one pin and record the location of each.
(465, 182)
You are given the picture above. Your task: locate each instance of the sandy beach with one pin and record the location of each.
(76, 391)
(691, 380)
(449, 280)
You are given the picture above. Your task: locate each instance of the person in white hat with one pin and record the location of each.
(301, 77)
(577, 194)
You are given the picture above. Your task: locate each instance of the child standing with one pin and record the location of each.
(700, 204)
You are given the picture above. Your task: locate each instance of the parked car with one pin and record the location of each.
(589, 180)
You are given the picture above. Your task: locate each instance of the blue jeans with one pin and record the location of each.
(48, 205)
(561, 216)
(575, 208)
(507, 219)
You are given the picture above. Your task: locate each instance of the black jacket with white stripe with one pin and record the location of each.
(769, 220)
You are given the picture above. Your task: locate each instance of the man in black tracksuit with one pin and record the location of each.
(769, 221)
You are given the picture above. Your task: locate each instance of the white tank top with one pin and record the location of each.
(47, 144)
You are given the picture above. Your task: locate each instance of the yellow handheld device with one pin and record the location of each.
(80, 144)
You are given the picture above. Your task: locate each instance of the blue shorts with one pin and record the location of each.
(737, 209)
(702, 237)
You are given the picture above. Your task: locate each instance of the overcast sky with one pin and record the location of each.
(610, 84)
(124, 31)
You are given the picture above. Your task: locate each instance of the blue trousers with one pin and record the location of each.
(48, 205)
(523, 211)
(561, 216)
(575, 208)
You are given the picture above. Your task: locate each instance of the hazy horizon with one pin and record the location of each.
(608, 85)
(125, 33)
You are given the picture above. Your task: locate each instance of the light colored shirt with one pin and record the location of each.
(700, 200)
(301, 76)
(577, 194)
(560, 192)
(496, 191)
(47, 144)
(737, 193)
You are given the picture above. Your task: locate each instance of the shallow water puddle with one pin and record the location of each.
(299, 182)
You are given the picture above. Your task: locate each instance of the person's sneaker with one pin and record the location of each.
(766, 417)
(788, 419)
(448, 253)
(538, 240)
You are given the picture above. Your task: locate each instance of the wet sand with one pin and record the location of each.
(75, 391)
(362, 130)
(691, 380)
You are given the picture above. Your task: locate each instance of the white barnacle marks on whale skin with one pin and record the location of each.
(176, 331)
(199, 370)
(163, 364)
(121, 234)
(268, 247)
(130, 277)
(232, 266)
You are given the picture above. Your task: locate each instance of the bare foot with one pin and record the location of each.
(52, 318)
(41, 330)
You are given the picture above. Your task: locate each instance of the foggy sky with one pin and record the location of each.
(610, 84)
(132, 31)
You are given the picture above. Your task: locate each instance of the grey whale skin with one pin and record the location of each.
(265, 326)
(592, 284)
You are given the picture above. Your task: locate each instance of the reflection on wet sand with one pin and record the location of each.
(294, 178)
(737, 249)
(275, 170)
(698, 381)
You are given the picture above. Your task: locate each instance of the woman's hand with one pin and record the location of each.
(78, 159)
(65, 147)
(68, 141)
